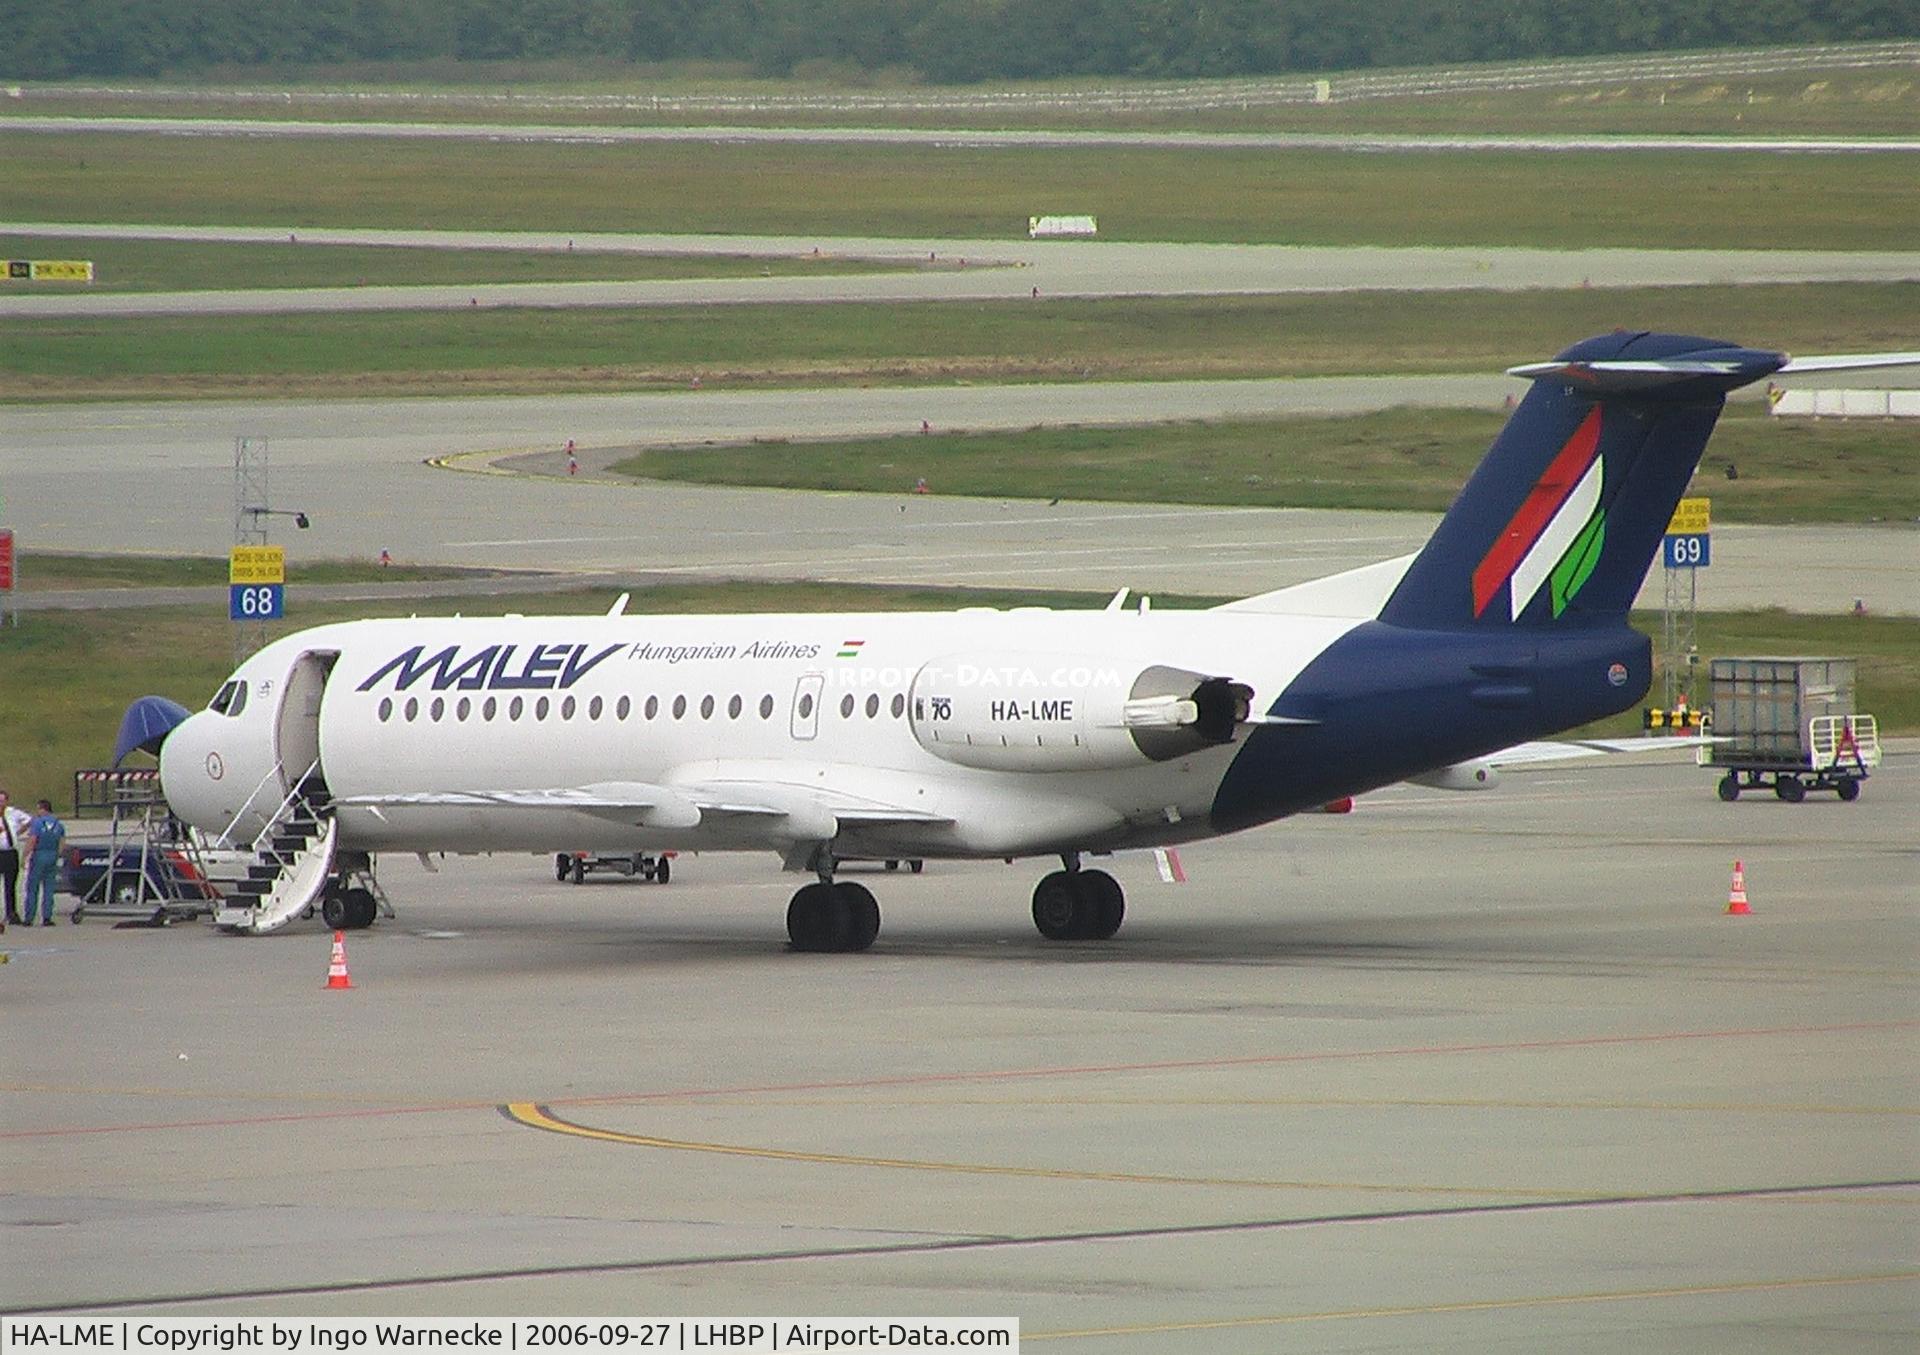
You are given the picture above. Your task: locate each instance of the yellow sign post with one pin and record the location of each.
(257, 564)
(1690, 517)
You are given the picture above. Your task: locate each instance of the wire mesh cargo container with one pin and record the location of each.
(1788, 723)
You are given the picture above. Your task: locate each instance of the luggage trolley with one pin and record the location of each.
(1788, 724)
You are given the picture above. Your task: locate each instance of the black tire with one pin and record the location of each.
(579, 869)
(561, 864)
(1056, 907)
(333, 910)
(361, 908)
(816, 919)
(1789, 789)
(1103, 904)
(662, 871)
(862, 913)
(893, 865)
(916, 866)
(1849, 789)
(1729, 787)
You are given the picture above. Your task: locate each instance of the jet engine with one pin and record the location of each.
(1056, 712)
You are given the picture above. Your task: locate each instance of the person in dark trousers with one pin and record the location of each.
(43, 868)
(13, 836)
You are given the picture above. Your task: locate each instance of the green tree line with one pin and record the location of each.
(945, 41)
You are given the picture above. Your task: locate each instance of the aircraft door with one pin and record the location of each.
(806, 705)
(296, 731)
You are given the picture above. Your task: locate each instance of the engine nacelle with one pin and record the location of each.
(1460, 776)
(1064, 712)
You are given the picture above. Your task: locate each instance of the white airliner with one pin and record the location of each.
(977, 733)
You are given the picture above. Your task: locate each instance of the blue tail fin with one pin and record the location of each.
(1560, 522)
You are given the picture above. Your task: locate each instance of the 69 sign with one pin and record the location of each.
(1688, 550)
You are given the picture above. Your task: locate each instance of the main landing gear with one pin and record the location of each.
(833, 916)
(1078, 905)
(1068, 905)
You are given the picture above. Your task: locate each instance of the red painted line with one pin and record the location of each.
(984, 1075)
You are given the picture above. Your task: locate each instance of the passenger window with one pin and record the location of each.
(439, 708)
(541, 707)
(766, 708)
(806, 704)
(594, 707)
(464, 709)
(873, 705)
(519, 704)
(625, 708)
(491, 709)
(567, 708)
(413, 708)
(733, 708)
(679, 707)
(706, 708)
(899, 705)
(846, 706)
(386, 709)
(653, 706)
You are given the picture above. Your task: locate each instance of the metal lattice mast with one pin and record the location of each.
(249, 526)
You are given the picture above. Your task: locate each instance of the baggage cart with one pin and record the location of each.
(1788, 724)
(576, 866)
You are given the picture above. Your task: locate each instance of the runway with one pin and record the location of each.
(1479, 1072)
(1004, 270)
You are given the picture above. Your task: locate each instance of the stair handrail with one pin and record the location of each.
(293, 797)
(226, 834)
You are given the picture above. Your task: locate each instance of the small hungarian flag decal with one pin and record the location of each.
(850, 649)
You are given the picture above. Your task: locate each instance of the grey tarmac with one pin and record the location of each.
(1008, 269)
(1455, 1072)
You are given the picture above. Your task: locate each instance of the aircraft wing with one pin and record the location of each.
(1483, 773)
(635, 802)
(1565, 750)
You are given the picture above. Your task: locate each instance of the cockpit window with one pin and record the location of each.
(230, 700)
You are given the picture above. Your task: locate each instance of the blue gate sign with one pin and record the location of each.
(1686, 551)
(256, 601)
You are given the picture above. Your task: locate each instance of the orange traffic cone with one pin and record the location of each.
(1737, 895)
(337, 976)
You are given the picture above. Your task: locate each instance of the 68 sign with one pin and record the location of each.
(256, 601)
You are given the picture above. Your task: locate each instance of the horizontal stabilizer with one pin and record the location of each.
(1719, 369)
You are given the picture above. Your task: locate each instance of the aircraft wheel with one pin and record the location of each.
(916, 866)
(1789, 789)
(662, 871)
(562, 863)
(816, 918)
(1848, 789)
(1729, 787)
(579, 869)
(333, 910)
(893, 864)
(361, 908)
(862, 913)
(1102, 904)
(1056, 908)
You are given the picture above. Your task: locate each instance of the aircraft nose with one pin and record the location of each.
(191, 772)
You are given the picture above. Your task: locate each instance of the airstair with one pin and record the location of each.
(292, 865)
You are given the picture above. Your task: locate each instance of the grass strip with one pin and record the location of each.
(1788, 470)
(197, 265)
(1164, 338)
(50, 571)
(1561, 200)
